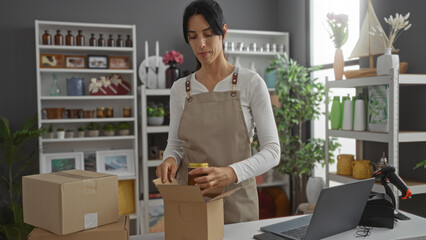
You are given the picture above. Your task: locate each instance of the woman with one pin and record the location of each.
(213, 113)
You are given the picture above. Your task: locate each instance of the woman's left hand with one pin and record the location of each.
(216, 177)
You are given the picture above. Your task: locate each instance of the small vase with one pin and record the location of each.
(335, 113)
(387, 62)
(172, 74)
(313, 190)
(338, 64)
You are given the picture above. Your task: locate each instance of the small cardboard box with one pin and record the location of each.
(70, 201)
(114, 231)
(188, 215)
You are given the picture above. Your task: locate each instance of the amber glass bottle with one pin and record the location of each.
(111, 41)
(129, 41)
(92, 40)
(120, 42)
(191, 166)
(59, 39)
(69, 39)
(80, 39)
(46, 38)
(101, 41)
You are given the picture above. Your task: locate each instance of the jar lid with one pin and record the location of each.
(126, 108)
(101, 108)
(109, 108)
(198, 165)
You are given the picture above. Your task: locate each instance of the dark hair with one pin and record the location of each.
(210, 10)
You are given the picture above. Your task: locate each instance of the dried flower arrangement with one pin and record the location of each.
(397, 25)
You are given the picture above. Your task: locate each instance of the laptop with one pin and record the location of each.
(338, 209)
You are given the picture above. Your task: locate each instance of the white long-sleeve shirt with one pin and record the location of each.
(257, 110)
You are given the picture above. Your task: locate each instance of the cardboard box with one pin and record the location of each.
(115, 231)
(188, 215)
(70, 201)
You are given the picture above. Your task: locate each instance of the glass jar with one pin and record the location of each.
(129, 42)
(127, 112)
(46, 38)
(120, 42)
(80, 39)
(101, 41)
(111, 41)
(59, 39)
(69, 39)
(109, 112)
(100, 112)
(191, 166)
(92, 40)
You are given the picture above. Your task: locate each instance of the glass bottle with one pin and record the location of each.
(54, 88)
(46, 38)
(59, 39)
(101, 41)
(69, 39)
(111, 41)
(80, 38)
(127, 112)
(120, 41)
(92, 40)
(129, 41)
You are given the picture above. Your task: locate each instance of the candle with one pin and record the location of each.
(146, 54)
(157, 49)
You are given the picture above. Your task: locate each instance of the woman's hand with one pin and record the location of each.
(167, 169)
(216, 177)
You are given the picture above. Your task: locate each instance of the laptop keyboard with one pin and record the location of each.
(297, 233)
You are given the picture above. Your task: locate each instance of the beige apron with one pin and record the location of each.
(213, 130)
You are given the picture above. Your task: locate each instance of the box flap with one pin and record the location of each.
(172, 192)
(158, 181)
(225, 194)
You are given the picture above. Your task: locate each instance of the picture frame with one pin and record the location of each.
(51, 61)
(115, 62)
(118, 162)
(97, 61)
(56, 162)
(75, 61)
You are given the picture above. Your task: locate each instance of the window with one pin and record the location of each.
(322, 53)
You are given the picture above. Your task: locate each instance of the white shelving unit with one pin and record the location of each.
(393, 137)
(88, 102)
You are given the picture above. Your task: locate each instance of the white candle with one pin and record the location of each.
(157, 50)
(146, 54)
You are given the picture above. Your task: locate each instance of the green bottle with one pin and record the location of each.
(341, 109)
(335, 113)
(54, 88)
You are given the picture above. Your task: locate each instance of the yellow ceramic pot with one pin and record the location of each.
(361, 169)
(344, 164)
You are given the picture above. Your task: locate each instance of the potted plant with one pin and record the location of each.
(123, 128)
(49, 133)
(18, 151)
(93, 129)
(69, 133)
(155, 114)
(109, 129)
(80, 131)
(300, 97)
(60, 133)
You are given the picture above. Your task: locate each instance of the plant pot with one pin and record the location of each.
(155, 121)
(69, 134)
(93, 133)
(49, 135)
(387, 62)
(123, 132)
(60, 134)
(109, 133)
(80, 134)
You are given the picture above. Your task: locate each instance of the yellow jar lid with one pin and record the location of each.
(198, 165)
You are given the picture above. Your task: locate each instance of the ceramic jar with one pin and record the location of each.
(361, 169)
(344, 164)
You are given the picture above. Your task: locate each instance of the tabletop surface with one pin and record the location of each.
(410, 229)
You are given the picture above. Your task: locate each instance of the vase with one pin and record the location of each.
(387, 62)
(338, 64)
(155, 121)
(313, 190)
(172, 74)
(335, 113)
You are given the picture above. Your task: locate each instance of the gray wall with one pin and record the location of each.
(412, 98)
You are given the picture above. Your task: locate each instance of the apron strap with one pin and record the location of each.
(234, 84)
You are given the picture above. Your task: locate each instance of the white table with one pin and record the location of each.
(410, 229)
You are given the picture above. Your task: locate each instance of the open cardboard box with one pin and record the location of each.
(70, 201)
(114, 231)
(188, 215)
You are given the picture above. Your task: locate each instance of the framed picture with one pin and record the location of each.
(56, 162)
(51, 61)
(97, 61)
(90, 157)
(119, 62)
(75, 61)
(118, 162)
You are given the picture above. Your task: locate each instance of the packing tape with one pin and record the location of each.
(90, 184)
(70, 175)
